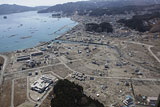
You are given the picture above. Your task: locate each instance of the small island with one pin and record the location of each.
(4, 17)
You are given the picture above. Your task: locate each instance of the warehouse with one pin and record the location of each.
(37, 54)
(22, 58)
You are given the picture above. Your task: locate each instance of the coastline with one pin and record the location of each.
(42, 43)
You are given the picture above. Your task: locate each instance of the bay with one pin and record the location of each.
(27, 29)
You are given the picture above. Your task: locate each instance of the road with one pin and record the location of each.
(28, 94)
(3, 69)
(148, 47)
(12, 94)
(125, 78)
(44, 97)
(138, 43)
(64, 63)
(56, 75)
(28, 70)
(61, 62)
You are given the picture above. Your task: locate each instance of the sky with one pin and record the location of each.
(36, 2)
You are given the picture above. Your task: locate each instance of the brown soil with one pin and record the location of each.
(47, 101)
(20, 90)
(61, 70)
(155, 28)
(5, 94)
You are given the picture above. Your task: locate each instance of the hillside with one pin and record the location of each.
(8, 9)
(71, 7)
(102, 27)
(155, 28)
(85, 7)
(1, 61)
(68, 94)
(143, 23)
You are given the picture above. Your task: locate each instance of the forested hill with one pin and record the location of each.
(86, 6)
(8, 9)
(69, 94)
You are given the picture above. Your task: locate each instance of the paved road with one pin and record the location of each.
(28, 94)
(3, 69)
(12, 94)
(44, 97)
(28, 70)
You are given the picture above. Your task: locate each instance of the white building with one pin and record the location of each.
(42, 84)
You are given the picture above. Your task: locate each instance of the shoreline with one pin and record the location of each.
(42, 43)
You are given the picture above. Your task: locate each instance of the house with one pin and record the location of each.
(128, 101)
(152, 101)
(91, 78)
(43, 49)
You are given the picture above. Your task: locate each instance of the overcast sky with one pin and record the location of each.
(36, 2)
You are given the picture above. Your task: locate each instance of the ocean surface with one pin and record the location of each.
(27, 29)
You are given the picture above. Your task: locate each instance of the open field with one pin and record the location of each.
(5, 94)
(61, 70)
(20, 90)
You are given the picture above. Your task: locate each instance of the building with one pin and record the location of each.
(129, 102)
(79, 76)
(23, 58)
(152, 101)
(37, 54)
(43, 49)
(31, 63)
(41, 84)
(91, 78)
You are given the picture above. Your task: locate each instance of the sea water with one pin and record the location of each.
(27, 29)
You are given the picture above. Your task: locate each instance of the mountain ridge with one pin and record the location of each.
(71, 7)
(8, 9)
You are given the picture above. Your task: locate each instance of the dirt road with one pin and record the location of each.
(3, 69)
